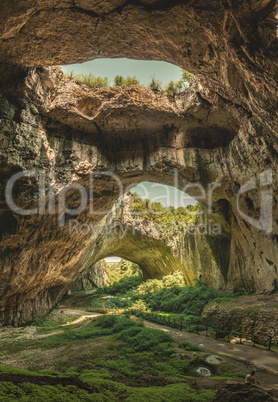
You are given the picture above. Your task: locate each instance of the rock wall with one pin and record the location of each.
(253, 315)
(94, 277)
(222, 130)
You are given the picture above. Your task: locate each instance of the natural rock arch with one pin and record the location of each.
(232, 50)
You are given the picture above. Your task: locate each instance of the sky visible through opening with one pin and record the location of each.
(166, 195)
(143, 70)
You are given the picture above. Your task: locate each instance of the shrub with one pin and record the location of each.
(105, 321)
(174, 88)
(151, 285)
(168, 281)
(120, 81)
(139, 307)
(125, 323)
(174, 279)
(144, 338)
(189, 346)
(187, 77)
(155, 85)
(70, 74)
(187, 300)
(91, 81)
(129, 81)
(122, 286)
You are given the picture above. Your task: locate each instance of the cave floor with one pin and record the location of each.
(247, 358)
(244, 358)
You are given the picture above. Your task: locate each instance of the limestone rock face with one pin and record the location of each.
(94, 277)
(254, 315)
(222, 130)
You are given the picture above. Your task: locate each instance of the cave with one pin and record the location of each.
(105, 272)
(222, 131)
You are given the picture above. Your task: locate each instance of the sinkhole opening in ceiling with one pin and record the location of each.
(168, 196)
(142, 72)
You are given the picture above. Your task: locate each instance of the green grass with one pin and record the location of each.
(115, 352)
(189, 346)
(104, 391)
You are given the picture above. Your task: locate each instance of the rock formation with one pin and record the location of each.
(222, 130)
(95, 277)
(253, 315)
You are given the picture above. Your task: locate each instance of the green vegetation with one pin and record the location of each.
(103, 391)
(170, 221)
(155, 85)
(186, 301)
(90, 80)
(189, 346)
(167, 297)
(176, 279)
(115, 357)
(173, 88)
(122, 286)
(123, 350)
(121, 269)
(120, 81)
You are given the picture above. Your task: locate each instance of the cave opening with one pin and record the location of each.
(158, 75)
(147, 227)
(106, 272)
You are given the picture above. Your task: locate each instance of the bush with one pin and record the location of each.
(122, 286)
(155, 85)
(174, 88)
(187, 300)
(144, 338)
(90, 80)
(151, 285)
(187, 77)
(120, 81)
(174, 279)
(139, 307)
(189, 346)
(129, 81)
(125, 323)
(106, 321)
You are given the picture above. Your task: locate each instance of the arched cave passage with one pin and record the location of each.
(106, 272)
(162, 229)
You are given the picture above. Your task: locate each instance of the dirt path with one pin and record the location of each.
(65, 308)
(251, 356)
(263, 359)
